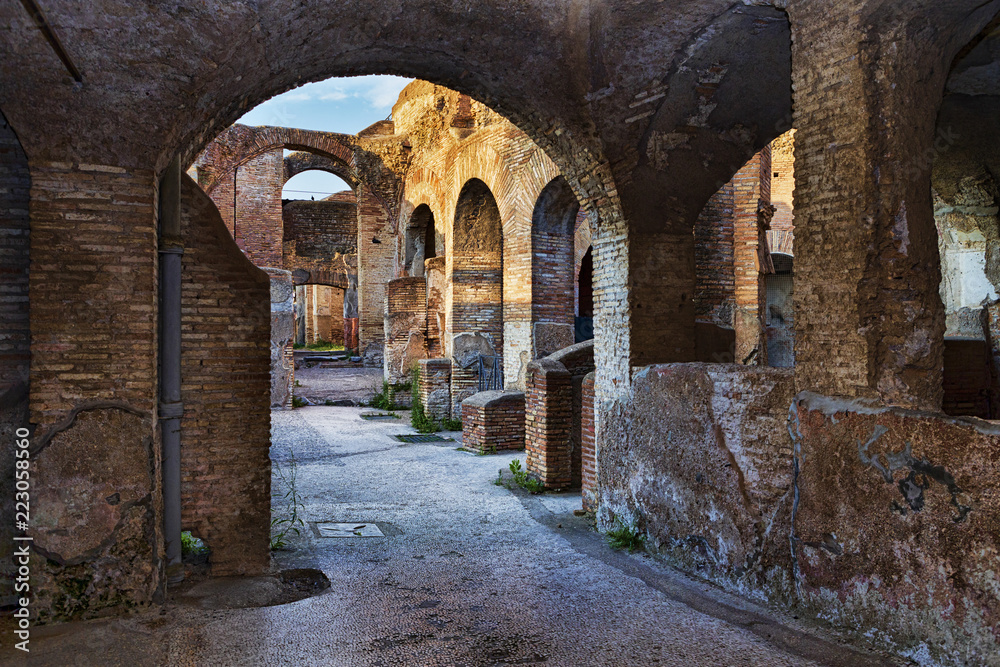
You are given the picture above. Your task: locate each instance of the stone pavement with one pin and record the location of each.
(467, 573)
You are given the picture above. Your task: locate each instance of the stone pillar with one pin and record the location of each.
(405, 326)
(548, 422)
(282, 331)
(435, 387)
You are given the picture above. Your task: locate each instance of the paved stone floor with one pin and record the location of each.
(468, 573)
(337, 381)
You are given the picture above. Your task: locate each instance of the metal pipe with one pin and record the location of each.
(171, 408)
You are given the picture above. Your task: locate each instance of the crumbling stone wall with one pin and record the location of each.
(225, 361)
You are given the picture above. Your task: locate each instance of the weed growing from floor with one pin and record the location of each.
(450, 424)
(282, 527)
(523, 479)
(298, 402)
(489, 451)
(385, 399)
(419, 419)
(191, 545)
(626, 537)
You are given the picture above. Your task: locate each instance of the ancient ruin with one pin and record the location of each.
(728, 274)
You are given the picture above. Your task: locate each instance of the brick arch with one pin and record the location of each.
(241, 143)
(329, 277)
(302, 161)
(423, 186)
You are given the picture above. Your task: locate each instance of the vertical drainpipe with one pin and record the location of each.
(171, 408)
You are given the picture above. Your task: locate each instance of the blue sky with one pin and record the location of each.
(346, 105)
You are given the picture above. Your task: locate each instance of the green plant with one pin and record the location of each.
(298, 346)
(499, 480)
(298, 402)
(283, 526)
(191, 545)
(523, 479)
(385, 399)
(489, 451)
(324, 346)
(419, 419)
(625, 537)
(450, 424)
(298, 384)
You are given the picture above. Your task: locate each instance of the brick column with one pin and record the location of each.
(376, 267)
(751, 191)
(868, 315)
(548, 422)
(588, 448)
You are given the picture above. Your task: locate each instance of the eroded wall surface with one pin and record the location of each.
(881, 521)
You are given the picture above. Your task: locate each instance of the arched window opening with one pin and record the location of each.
(553, 223)
(420, 240)
(966, 194)
(585, 300)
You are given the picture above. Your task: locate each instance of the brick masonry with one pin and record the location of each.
(588, 451)
(15, 182)
(226, 384)
(435, 387)
(493, 420)
(94, 387)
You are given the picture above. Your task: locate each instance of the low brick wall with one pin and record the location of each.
(435, 387)
(554, 415)
(493, 420)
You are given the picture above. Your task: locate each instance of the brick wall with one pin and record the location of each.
(751, 189)
(780, 236)
(552, 268)
(258, 218)
(554, 415)
(968, 381)
(320, 239)
(435, 276)
(548, 421)
(493, 420)
(93, 291)
(376, 267)
(713, 259)
(225, 376)
(661, 297)
(15, 182)
(405, 326)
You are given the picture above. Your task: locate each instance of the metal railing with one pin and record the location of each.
(490, 373)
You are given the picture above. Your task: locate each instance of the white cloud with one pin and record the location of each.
(379, 92)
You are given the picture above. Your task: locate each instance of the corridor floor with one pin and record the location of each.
(467, 573)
